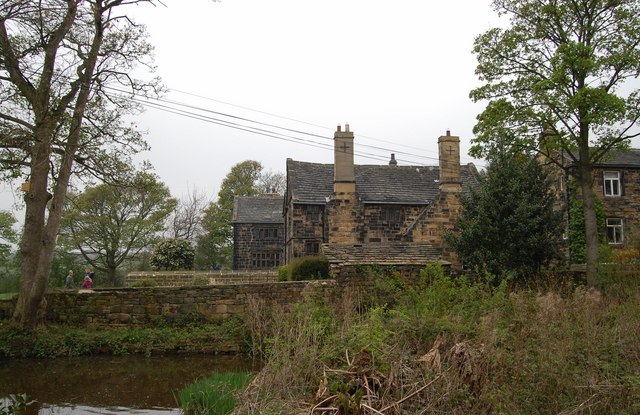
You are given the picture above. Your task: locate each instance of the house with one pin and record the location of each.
(616, 183)
(375, 214)
(258, 232)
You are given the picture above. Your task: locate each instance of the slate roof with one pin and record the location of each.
(258, 209)
(417, 185)
(630, 158)
(396, 253)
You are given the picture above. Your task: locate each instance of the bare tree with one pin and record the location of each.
(186, 220)
(65, 85)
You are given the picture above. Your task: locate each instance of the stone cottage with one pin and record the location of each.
(616, 183)
(258, 232)
(374, 214)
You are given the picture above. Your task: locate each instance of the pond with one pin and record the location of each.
(110, 385)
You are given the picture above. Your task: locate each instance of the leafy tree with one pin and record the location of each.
(556, 81)
(111, 224)
(66, 86)
(215, 245)
(173, 254)
(508, 224)
(8, 235)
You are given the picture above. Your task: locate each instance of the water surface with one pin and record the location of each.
(110, 385)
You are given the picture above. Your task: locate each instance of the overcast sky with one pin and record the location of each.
(399, 72)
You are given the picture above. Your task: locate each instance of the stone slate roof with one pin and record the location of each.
(258, 209)
(396, 253)
(630, 158)
(417, 185)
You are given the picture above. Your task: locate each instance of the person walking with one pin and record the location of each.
(68, 282)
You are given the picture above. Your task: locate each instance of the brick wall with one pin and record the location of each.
(184, 278)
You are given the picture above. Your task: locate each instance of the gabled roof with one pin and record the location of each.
(629, 158)
(417, 185)
(258, 209)
(616, 158)
(396, 253)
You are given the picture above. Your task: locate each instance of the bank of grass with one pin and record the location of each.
(63, 341)
(215, 395)
(453, 346)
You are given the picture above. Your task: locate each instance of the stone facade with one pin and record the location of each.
(616, 183)
(622, 208)
(258, 232)
(345, 204)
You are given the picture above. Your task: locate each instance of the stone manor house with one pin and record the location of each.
(355, 214)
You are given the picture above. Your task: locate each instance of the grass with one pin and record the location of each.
(7, 296)
(215, 395)
(482, 348)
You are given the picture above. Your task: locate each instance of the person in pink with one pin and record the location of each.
(87, 283)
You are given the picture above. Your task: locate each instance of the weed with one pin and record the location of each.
(215, 395)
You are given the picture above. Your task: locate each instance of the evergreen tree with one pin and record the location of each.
(509, 224)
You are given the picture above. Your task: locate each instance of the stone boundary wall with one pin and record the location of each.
(184, 278)
(159, 305)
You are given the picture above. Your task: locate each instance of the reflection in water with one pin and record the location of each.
(110, 385)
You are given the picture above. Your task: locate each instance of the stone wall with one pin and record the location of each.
(305, 230)
(153, 305)
(184, 278)
(625, 207)
(258, 245)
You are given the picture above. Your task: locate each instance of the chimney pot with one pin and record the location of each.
(448, 133)
(339, 128)
(393, 162)
(346, 127)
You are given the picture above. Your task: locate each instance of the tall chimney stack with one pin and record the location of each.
(344, 177)
(449, 155)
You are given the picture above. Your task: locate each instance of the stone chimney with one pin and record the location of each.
(393, 162)
(449, 154)
(344, 176)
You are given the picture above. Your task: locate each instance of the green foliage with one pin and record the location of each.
(524, 351)
(559, 81)
(17, 404)
(110, 224)
(8, 235)
(283, 273)
(308, 268)
(215, 246)
(189, 335)
(214, 395)
(509, 224)
(173, 254)
(577, 236)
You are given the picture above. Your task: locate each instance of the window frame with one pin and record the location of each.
(615, 187)
(615, 231)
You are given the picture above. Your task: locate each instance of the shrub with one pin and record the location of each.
(173, 254)
(214, 395)
(283, 273)
(308, 268)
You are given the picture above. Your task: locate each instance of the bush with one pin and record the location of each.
(173, 254)
(308, 268)
(283, 273)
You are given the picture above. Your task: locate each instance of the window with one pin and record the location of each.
(612, 183)
(615, 234)
(265, 260)
(261, 234)
(311, 248)
(391, 214)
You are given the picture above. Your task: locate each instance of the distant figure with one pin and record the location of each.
(88, 273)
(87, 283)
(68, 282)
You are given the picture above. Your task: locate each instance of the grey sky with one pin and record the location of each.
(399, 72)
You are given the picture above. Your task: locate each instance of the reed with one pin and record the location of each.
(215, 395)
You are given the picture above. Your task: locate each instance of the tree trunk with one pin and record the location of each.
(585, 179)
